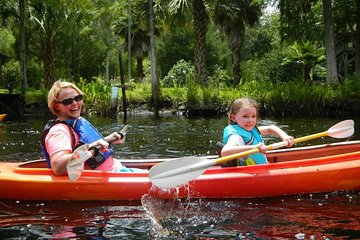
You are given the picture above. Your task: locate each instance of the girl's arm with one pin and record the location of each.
(275, 130)
(236, 144)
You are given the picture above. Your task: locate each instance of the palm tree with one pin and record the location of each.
(331, 66)
(307, 55)
(11, 9)
(179, 11)
(297, 25)
(231, 16)
(22, 30)
(357, 43)
(140, 40)
(155, 85)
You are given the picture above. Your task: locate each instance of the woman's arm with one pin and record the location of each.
(59, 161)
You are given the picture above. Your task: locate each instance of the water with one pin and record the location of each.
(317, 216)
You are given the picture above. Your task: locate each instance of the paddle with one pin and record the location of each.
(75, 165)
(176, 172)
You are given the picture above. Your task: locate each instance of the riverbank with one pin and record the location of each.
(286, 108)
(292, 99)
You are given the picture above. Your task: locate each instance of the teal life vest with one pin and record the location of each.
(87, 134)
(252, 137)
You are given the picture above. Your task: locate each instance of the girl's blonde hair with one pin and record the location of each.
(54, 93)
(238, 103)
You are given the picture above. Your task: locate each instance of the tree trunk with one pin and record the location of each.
(357, 41)
(236, 40)
(49, 62)
(331, 66)
(23, 79)
(74, 61)
(199, 16)
(107, 65)
(139, 69)
(122, 79)
(306, 73)
(155, 86)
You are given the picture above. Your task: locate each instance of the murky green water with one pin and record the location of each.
(320, 216)
(155, 138)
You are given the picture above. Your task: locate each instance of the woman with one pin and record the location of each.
(69, 130)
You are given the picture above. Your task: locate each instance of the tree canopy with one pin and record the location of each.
(81, 39)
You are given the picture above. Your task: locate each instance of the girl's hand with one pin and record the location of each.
(261, 147)
(290, 140)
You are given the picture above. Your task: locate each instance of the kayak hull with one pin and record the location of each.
(323, 168)
(2, 117)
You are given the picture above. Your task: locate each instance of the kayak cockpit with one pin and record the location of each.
(279, 155)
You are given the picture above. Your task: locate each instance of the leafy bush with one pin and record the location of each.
(178, 74)
(192, 94)
(219, 79)
(11, 73)
(98, 94)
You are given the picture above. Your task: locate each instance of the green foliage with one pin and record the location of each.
(301, 20)
(33, 96)
(192, 93)
(351, 87)
(11, 73)
(282, 99)
(34, 74)
(270, 69)
(173, 47)
(258, 41)
(97, 95)
(305, 54)
(178, 74)
(139, 94)
(173, 96)
(220, 78)
(6, 41)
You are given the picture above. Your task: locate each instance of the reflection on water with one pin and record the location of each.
(318, 216)
(155, 138)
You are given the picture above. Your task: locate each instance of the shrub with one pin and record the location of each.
(178, 74)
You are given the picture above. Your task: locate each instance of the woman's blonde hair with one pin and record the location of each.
(54, 93)
(238, 103)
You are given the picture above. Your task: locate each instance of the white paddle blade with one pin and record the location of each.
(176, 172)
(75, 172)
(123, 132)
(342, 129)
(75, 165)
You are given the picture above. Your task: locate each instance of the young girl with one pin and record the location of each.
(242, 133)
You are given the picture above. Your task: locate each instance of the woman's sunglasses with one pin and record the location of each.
(69, 101)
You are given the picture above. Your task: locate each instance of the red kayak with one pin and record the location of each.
(320, 168)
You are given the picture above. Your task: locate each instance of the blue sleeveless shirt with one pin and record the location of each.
(250, 138)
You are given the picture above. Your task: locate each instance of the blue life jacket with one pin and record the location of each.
(250, 138)
(87, 134)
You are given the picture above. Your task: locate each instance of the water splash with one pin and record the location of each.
(187, 218)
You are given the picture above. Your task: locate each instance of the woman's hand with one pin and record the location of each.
(100, 143)
(114, 138)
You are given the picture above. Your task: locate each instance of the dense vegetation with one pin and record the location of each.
(207, 52)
